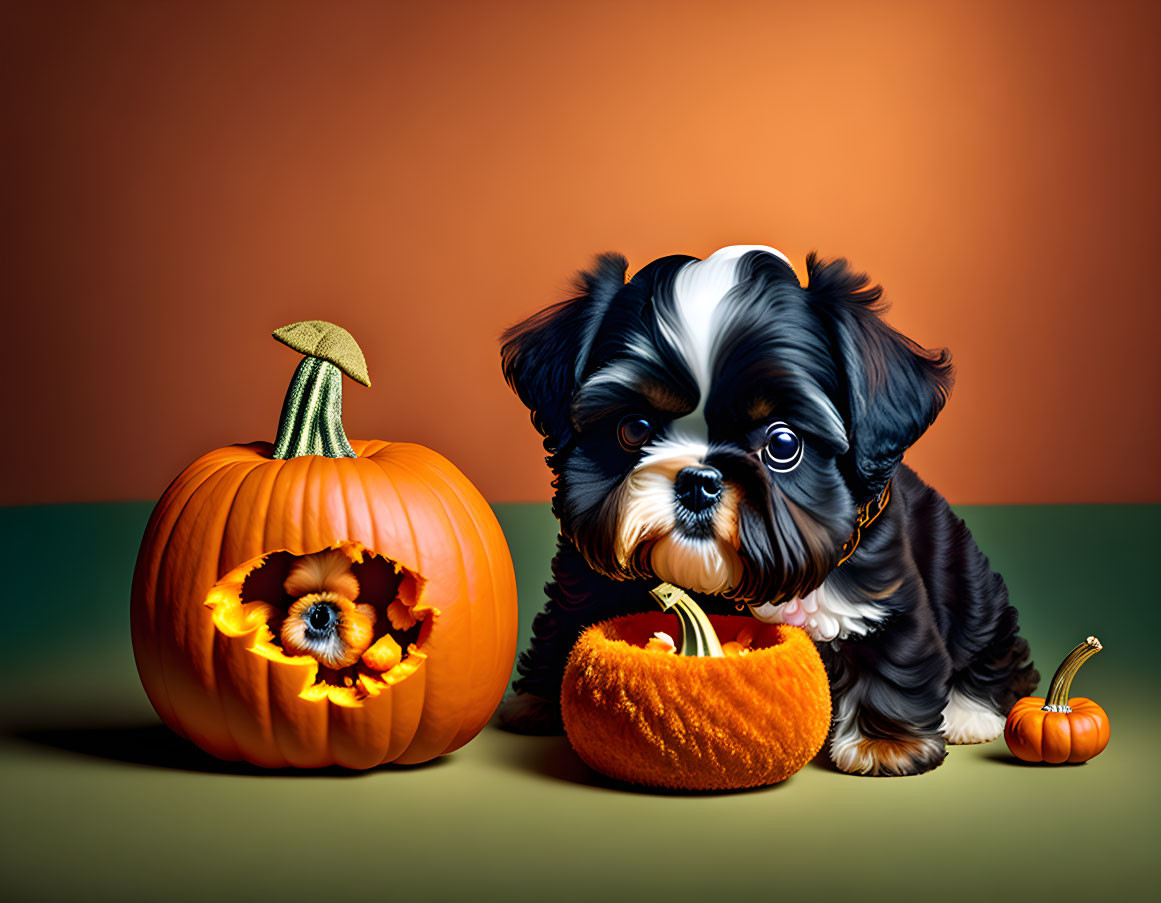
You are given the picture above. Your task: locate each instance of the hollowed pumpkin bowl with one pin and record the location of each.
(690, 722)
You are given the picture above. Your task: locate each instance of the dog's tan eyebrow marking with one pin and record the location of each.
(618, 386)
(662, 398)
(656, 398)
(760, 408)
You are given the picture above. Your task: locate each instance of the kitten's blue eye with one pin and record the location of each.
(634, 432)
(783, 449)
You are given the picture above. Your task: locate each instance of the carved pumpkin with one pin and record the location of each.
(1057, 729)
(749, 711)
(320, 601)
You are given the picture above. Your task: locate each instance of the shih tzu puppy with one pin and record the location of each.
(717, 425)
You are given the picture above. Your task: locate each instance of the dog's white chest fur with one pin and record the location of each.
(825, 614)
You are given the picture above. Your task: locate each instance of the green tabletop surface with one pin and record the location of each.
(101, 802)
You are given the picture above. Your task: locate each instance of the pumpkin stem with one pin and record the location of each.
(312, 413)
(1057, 700)
(697, 634)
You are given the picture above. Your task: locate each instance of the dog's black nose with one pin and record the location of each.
(698, 488)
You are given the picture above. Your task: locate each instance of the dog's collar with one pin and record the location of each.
(868, 511)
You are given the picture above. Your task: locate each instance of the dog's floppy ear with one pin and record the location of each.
(895, 387)
(544, 357)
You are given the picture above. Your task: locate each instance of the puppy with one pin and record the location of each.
(717, 425)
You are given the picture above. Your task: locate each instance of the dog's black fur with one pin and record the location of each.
(802, 354)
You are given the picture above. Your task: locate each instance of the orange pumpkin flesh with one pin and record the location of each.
(1056, 729)
(653, 717)
(208, 601)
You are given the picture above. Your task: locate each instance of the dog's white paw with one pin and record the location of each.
(967, 720)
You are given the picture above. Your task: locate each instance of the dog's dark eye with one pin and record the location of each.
(783, 449)
(633, 432)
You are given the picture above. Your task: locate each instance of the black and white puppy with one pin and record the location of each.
(717, 425)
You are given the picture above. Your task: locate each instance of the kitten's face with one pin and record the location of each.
(705, 443)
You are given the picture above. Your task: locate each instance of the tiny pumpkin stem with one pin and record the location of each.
(1057, 700)
(697, 634)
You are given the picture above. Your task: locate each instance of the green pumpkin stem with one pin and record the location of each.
(1057, 700)
(312, 414)
(697, 634)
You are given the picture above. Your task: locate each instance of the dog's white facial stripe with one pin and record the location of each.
(699, 289)
(698, 292)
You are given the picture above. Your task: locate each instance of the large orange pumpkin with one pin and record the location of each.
(320, 602)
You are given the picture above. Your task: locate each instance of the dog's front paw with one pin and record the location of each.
(891, 757)
(967, 720)
(524, 713)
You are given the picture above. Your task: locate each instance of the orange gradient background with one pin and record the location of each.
(182, 178)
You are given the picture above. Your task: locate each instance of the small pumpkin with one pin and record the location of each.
(1057, 729)
(698, 714)
(321, 601)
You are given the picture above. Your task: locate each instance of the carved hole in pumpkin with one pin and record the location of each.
(252, 600)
